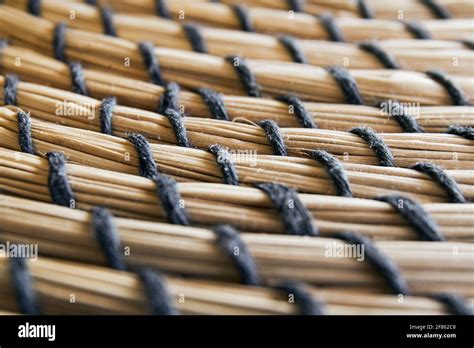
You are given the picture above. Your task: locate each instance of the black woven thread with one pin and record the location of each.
(418, 30)
(329, 24)
(106, 234)
(3, 44)
(24, 133)
(106, 113)
(335, 171)
(296, 218)
(273, 134)
(399, 113)
(161, 9)
(106, 16)
(151, 63)
(78, 81)
(305, 118)
(242, 14)
(383, 56)
(385, 266)
(455, 303)
(59, 41)
(443, 179)
(438, 10)
(454, 91)
(166, 187)
(34, 7)
(295, 5)
(364, 10)
(376, 144)
(293, 48)
(307, 304)
(10, 89)
(157, 293)
(234, 247)
(146, 164)
(215, 103)
(194, 35)
(245, 75)
(170, 198)
(462, 131)
(347, 84)
(58, 183)
(23, 287)
(178, 126)
(109, 241)
(422, 222)
(229, 172)
(170, 98)
(468, 43)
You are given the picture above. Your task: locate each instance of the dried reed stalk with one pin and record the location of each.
(407, 9)
(301, 25)
(304, 174)
(195, 70)
(450, 151)
(99, 290)
(418, 55)
(248, 209)
(41, 69)
(66, 234)
(348, 285)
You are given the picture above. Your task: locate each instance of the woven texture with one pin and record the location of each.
(242, 157)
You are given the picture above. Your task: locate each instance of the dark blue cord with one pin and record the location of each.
(234, 247)
(58, 183)
(10, 89)
(386, 267)
(296, 218)
(223, 160)
(421, 221)
(335, 171)
(376, 143)
(23, 287)
(106, 234)
(24, 133)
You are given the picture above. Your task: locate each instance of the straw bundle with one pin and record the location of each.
(195, 70)
(454, 152)
(99, 290)
(129, 92)
(421, 55)
(256, 157)
(410, 10)
(297, 24)
(304, 174)
(247, 208)
(194, 251)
